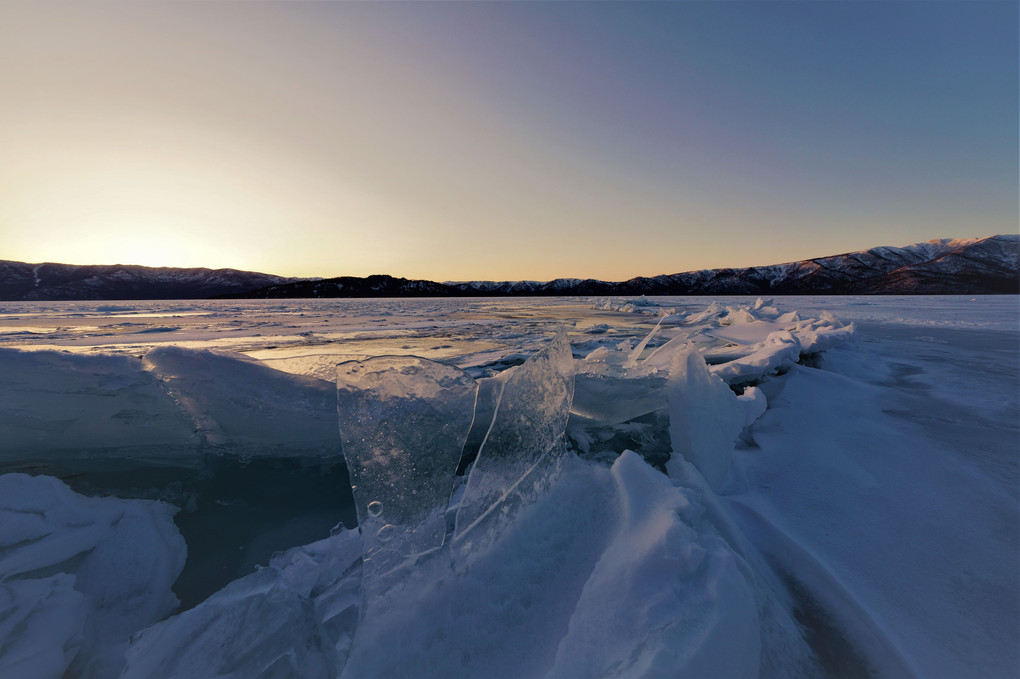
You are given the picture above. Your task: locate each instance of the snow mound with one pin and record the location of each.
(665, 572)
(80, 575)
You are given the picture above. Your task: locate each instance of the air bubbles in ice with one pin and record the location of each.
(386, 533)
(374, 508)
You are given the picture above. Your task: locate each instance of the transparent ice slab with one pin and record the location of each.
(403, 424)
(526, 432)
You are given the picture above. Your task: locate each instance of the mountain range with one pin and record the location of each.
(944, 266)
(22, 281)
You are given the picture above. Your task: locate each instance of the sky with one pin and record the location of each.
(501, 140)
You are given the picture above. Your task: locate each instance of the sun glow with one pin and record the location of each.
(113, 231)
(208, 198)
(147, 240)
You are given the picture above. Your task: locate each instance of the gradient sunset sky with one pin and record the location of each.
(505, 140)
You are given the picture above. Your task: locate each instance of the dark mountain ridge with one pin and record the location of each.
(945, 266)
(48, 281)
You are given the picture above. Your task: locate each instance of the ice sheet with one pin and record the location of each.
(239, 405)
(59, 405)
(862, 516)
(908, 544)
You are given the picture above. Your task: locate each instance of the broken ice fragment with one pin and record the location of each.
(780, 349)
(705, 418)
(610, 400)
(636, 353)
(527, 430)
(403, 423)
(817, 337)
(294, 617)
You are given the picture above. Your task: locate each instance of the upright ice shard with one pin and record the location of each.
(632, 360)
(403, 423)
(526, 433)
(705, 418)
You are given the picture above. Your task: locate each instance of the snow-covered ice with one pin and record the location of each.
(544, 487)
(78, 576)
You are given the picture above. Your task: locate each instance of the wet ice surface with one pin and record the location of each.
(803, 497)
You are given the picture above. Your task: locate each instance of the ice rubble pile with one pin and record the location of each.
(640, 305)
(745, 343)
(645, 395)
(543, 564)
(174, 404)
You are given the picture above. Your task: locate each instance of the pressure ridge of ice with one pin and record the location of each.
(605, 525)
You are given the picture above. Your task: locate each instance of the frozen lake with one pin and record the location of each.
(406, 325)
(813, 486)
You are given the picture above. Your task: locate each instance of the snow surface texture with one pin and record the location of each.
(832, 504)
(78, 576)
